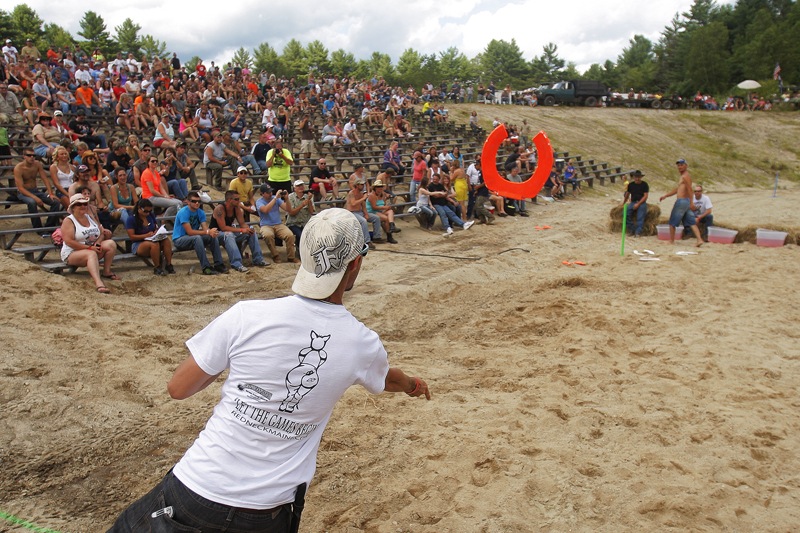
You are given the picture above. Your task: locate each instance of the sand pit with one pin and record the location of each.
(617, 396)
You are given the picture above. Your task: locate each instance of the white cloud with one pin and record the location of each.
(585, 31)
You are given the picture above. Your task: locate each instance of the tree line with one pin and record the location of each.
(709, 48)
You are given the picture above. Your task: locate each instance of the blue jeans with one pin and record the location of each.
(249, 160)
(30, 203)
(374, 220)
(426, 216)
(297, 231)
(192, 512)
(641, 213)
(682, 213)
(412, 190)
(178, 188)
(199, 243)
(448, 216)
(231, 241)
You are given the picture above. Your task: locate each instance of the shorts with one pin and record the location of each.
(158, 142)
(682, 214)
(306, 145)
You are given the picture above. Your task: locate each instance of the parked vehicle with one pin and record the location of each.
(574, 92)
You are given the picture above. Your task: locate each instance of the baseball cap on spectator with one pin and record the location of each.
(330, 241)
(680, 162)
(83, 168)
(299, 183)
(264, 188)
(58, 113)
(241, 169)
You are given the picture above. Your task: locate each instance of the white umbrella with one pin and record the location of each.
(749, 84)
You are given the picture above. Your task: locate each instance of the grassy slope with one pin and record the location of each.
(730, 150)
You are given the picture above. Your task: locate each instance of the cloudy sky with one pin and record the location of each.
(585, 31)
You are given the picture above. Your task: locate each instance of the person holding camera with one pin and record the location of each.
(271, 226)
(279, 166)
(299, 207)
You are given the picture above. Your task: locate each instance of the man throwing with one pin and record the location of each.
(682, 211)
(289, 362)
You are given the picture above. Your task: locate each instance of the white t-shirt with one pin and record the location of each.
(702, 205)
(289, 360)
(268, 117)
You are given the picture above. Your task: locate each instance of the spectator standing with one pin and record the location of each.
(683, 210)
(279, 164)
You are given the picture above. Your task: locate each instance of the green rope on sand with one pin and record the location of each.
(24, 523)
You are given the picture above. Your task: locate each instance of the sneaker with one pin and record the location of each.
(208, 271)
(370, 245)
(170, 269)
(222, 269)
(260, 263)
(413, 210)
(524, 214)
(159, 272)
(241, 268)
(469, 224)
(450, 231)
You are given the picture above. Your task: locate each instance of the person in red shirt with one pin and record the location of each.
(200, 69)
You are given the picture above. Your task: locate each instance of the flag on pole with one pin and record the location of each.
(776, 74)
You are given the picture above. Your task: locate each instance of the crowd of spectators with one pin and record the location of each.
(160, 111)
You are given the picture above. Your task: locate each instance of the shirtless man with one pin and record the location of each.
(683, 210)
(356, 203)
(30, 194)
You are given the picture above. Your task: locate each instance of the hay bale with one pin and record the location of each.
(650, 221)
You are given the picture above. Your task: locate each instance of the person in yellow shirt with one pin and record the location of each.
(244, 186)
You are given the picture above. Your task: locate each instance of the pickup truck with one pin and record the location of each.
(574, 92)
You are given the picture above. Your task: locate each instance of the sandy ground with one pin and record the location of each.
(617, 396)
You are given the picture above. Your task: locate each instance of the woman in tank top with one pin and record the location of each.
(62, 174)
(86, 243)
(123, 196)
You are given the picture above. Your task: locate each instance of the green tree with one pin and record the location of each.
(548, 66)
(57, 37)
(27, 23)
(294, 59)
(317, 57)
(128, 37)
(381, 65)
(242, 58)
(343, 63)
(502, 63)
(192, 63)
(266, 59)
(93, 29)
(707, 61)
(409, 67)
(454, 65)
(152, 47)
(636, 65)
(7, 27)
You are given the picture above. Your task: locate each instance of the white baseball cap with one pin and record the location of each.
(330, 241)
(241, 169)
